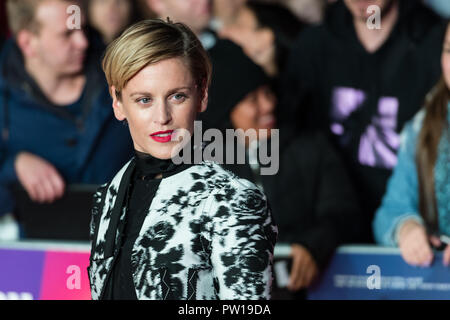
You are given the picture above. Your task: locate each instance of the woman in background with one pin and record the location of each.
(265, 31)
(111, 17)
(415, 212)
(305, 181)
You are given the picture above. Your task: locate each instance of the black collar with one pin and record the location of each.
(148, 166)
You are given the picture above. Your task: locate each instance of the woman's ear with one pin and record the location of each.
(117, 105)
(204, 102)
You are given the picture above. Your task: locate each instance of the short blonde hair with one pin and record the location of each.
(151, 41)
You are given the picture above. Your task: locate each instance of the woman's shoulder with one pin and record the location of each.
(411, 130)
(416, 122)
(114, 183)
(232, 198)
(217, 177)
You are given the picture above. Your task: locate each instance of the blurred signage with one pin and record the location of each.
(58, 271)
(374, 273)
(41, 271)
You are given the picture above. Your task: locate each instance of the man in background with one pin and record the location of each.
(56, 118)
(360, 82)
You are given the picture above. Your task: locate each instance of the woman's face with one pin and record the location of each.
(227, 10)
(110, 17)
(160, 104)
(256, 111)
(257, 43)
(445, 58)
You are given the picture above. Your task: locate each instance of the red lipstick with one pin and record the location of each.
(162, 136)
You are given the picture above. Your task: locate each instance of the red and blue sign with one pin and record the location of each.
(44, 274)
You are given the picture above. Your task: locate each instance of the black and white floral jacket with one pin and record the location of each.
(208, 235)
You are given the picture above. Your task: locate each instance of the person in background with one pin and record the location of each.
(265, 32)
(226, 13)
(228, 58)
(415, 211)
(3, 24)
(56, 122)
(360, 85)
(111, 17)
(2, 40)
(196, 14)
(309, 11)
(311, 196)
(441, 7)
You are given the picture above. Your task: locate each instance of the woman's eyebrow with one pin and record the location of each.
(178, 89)
(140, 94)
(171, 91)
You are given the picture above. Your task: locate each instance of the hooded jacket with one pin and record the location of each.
(83, 141)
(362, 100)
(234, 75)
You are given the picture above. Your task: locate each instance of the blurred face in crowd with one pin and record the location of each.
(110, 17)
(445, 59)
(256, 111)
(196, 14)
(358, 8)
(158, 107)
(257, 43)
(54, 45)
(227, 10)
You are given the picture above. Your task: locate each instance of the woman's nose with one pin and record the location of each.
(162, 115)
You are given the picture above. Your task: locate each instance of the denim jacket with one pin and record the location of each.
(401, 200)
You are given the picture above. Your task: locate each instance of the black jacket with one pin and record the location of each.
(363, 100)
(312, 200)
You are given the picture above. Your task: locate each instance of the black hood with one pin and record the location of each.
(234, 76)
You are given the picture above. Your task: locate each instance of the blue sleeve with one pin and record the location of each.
(400, 202)
(7, 159)
(7, 175)
(7, 170)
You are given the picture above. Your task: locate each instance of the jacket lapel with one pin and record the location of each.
(106, 245)
(111, 213)
(118, 212)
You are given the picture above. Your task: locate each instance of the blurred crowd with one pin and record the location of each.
(362, 111)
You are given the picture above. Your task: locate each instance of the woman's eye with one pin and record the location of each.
(144, 100)
(179, 97)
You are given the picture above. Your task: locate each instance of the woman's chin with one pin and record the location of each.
(161, 152)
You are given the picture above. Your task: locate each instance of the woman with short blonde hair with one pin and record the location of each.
(166, 231)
